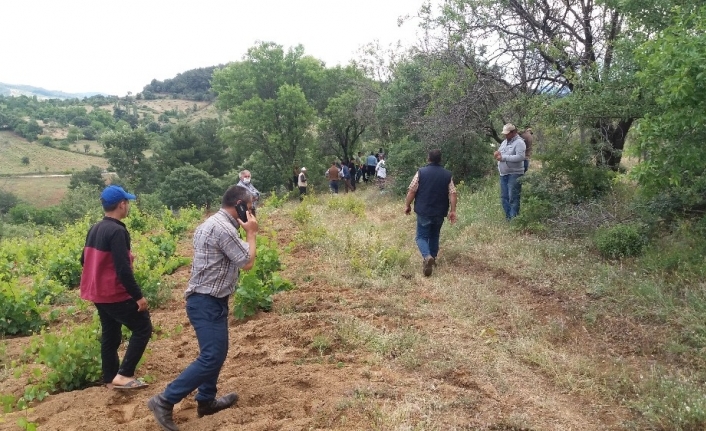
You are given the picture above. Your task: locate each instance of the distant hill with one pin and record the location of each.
(41, 93)
(194, 84)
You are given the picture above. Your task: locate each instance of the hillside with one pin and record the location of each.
(42, 159)
(40, 93)
(501, 337)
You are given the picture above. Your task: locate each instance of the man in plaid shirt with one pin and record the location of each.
(219, 255)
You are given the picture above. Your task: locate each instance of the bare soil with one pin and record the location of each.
(286, 381)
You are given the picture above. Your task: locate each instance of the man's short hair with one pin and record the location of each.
(435, 156)
(112, 207)
(235, 194)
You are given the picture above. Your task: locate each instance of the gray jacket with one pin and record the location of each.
(513, 156)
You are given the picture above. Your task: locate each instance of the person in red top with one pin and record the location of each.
(108, 281)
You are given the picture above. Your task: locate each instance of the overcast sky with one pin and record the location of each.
(119, 46)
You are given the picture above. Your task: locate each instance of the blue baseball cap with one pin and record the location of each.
(111, 195)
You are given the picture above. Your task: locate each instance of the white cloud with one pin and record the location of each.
(116, 47)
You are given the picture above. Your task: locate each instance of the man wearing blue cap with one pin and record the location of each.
(108, 281)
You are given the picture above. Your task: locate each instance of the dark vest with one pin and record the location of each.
(432, 198)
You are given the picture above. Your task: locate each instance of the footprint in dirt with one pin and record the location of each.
(123, 406)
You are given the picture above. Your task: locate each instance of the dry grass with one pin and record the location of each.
(42, 160)
(477, 327)
(511, 318)
(39, 192)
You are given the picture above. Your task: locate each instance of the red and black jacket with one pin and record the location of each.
(107, 275)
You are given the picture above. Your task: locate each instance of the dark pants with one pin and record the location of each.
(428, 233)
(113, 317)
(209, 317)
(371, 172)
(333, 185)
(302, 192)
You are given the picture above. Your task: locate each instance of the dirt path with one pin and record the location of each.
(348, 357)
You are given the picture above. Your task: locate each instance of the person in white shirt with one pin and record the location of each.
(301, 183)
(381, 172)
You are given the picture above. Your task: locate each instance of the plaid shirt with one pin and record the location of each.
(414, 185)
(218, 254)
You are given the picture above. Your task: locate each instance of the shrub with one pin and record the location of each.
(72, 356)
(621, 240)
(7, 201)
(19, 312)
(25, 213)
(257, 286)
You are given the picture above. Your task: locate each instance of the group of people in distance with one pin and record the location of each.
(351, 172)
(108, 280)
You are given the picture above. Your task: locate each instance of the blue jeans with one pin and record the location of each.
(113, 316)
(333, 185)
(428, 231)
(209, 317)
(510, 189)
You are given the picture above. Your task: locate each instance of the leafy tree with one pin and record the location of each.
(673, 72)
(436, 101)
(564, 48)
(125, 149)
(188, 185)
(345, 119)
(30, 130)
(81, 121)
(266, 95)
(198, 145)
(91, 177)
(7, 201)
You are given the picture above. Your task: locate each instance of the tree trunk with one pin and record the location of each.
(609, 142)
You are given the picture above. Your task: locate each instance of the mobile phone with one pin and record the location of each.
(242, 209)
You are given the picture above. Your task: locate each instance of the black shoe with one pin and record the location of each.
(162, 411)
(428, 266)
(214, 406)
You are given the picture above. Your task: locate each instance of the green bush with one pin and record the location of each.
(25, 213)
(7, 201)
(72, 357)
(19, 312)
(257, 286)
(621, 240)
(535, 211)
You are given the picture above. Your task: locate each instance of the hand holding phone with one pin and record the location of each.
(242, 210)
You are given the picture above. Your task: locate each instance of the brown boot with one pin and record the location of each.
(214, 406)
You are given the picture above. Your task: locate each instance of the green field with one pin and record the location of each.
(42, 160)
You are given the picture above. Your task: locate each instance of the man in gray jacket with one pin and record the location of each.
(511, 158)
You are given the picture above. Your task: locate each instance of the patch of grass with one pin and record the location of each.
(386, 344)
(38, 192)
(42, 159)
(672, 403)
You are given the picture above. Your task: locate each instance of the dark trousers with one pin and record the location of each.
(209, 317)
(113, 317)
(302, 192)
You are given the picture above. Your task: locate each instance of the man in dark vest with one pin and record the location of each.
(434, 194)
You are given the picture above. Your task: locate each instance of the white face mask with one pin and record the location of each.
(246, 180)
